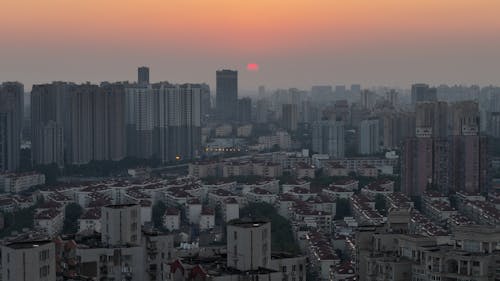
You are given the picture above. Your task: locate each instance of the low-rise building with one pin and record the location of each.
(207, 219)
(90, 220)
(172, 219)
(18, 182)
(49, 220)
(29, 260)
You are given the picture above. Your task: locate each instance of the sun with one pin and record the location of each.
(253, 67)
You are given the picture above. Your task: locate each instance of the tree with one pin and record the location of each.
(72, 212)
(16, 221)
(275, 148)
(158, 211)
(51, 172)
(282, 237)
(343, 208)
(417, 202)
(380, 204)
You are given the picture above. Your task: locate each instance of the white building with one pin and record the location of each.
(90, 220)
(121, 224)
(193, 211)
(50, 220)
(15, 183)
(248, 245)
(29, 260)
(172, 219)
(207, 219)
(231, 210)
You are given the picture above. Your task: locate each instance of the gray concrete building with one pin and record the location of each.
(227, 94)
(328, 138)
(11, 122)
(29, 260)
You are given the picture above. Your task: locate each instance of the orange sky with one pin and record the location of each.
(319, 41)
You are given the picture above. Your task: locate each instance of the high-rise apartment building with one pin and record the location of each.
(422, 92)
(177, 121)
(227, 94)
(262, 110)
(77, 123)
(290, 116)
(86, 114)
(321, 94)
(367, 99)
(396, 127)
(369, 136)
(393, 97)
(206, 103)
(143, 75)
(448, 152)
(245, 110)
(416, 165)
(114, 140)
(11, 122)
(50, 122)
(431, 119)
(140, 121)
(328, 137)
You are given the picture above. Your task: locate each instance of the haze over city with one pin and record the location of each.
(297, 43)
(233, 140)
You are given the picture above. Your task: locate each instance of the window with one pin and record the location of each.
(284, 268)
(235, 235)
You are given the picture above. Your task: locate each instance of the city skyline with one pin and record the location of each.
(333, 42)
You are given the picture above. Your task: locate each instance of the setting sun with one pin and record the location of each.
(252, 67)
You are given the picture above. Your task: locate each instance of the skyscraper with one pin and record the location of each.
(397, 126)
(322, 94)
(416, 165)
(290, 117)
(424, 162)
(328, 138)
(206, 103)
(114, 140)
(448, 152)
(393, 97)
(367, 99)
(11, 121)
(50, 122)
(85, 134)
(422, 92)
(227, 94)
(431, 119)
(369, 142)
(262, 109)
(140, 117)
(143, 75)
(177, 121)
(245, 110)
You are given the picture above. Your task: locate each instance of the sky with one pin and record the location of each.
(295, 43)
